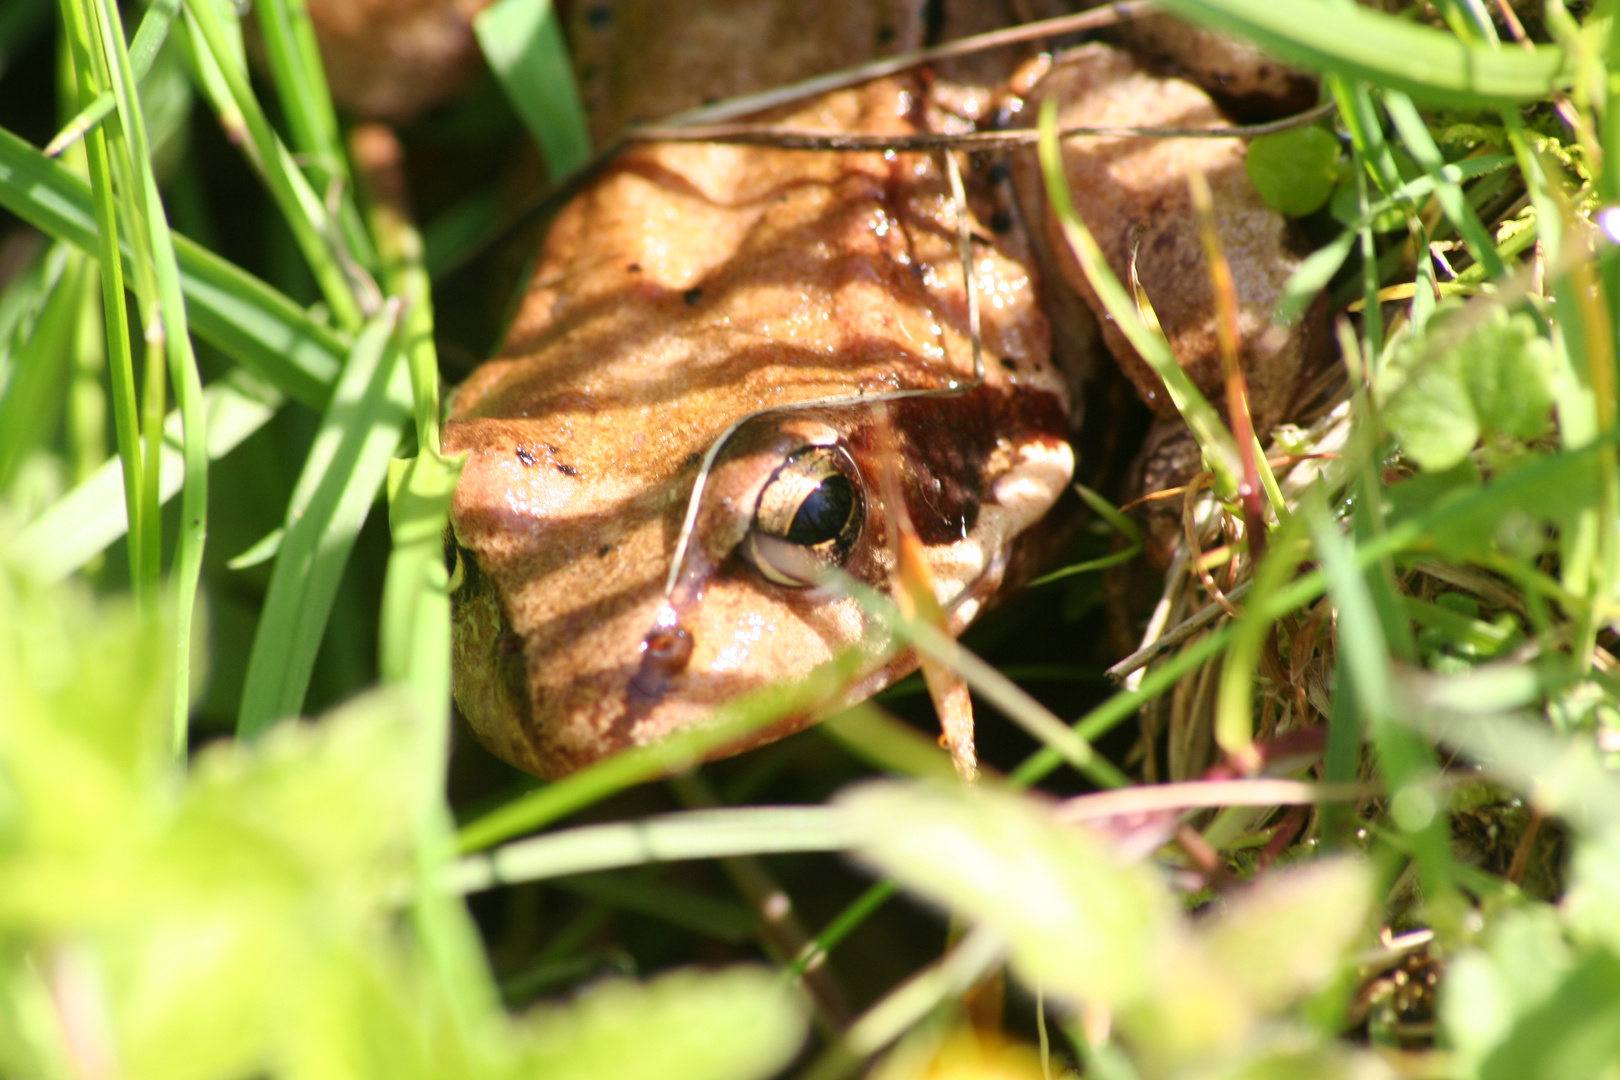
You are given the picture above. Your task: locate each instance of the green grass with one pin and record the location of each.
(221, 506)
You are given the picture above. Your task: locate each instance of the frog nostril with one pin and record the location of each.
(665, 652)
(669, 647)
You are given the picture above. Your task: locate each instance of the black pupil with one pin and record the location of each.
(824, 512)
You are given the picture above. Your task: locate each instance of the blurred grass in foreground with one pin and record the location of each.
(1439, 891)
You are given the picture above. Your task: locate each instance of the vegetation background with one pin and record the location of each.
(216, 323)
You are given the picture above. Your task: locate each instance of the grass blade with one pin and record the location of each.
(149, 38)
(335, 491)
(252, 323)
(300, 207)
(1220, 449)
(1012, 700)
(1452, 199)
(40, 368)
(414, 646)
(1360, 43)
(523, 42)
(295, 64)
(691, 834)
(88, 519)
(169, 335)
(1234, 719)
(1408, 764)
(732, 722)
(134, 461)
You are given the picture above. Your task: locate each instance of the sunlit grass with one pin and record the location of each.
(1443, 592)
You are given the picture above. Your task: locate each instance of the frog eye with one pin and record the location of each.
(808, 517)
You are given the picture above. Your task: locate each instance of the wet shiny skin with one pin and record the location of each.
(688, 287)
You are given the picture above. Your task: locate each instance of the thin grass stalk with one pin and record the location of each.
(87, 401)
(1583, 332)
(299, 205)
(1407, 762)
(1597, 371)
(335, 491)
(1368, 153)
(81, 524)
(701, 831)
(174, 337)
(211, 80)
(37, 372)
(1416, 135)
(1605, 379)
(121, 358)
(249, 321)
(1219, 449)
(414, 645)
(842, 925)
(1234, 711)
(149, 38)
(300, 81)
(1237, 388)
(127, 162)
(539, 807)
(295, 65)
(1012, 700)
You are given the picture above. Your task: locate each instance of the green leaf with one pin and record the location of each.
(85, 691)
(1428, 490)
(1573, 1035)
(1286, 936)
(1497, 381)
(1508, 369)
(1294, 171)
(523, 42)
(337, 796)
(1432, 415)
(1562, 776)
(735, 1024)
(1591, 904)
(1081, 922)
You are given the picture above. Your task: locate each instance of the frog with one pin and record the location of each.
(674, 463)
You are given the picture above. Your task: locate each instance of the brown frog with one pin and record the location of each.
(680, 437)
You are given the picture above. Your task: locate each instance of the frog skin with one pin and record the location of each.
(688, 287)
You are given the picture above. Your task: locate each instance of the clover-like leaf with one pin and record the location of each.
(1294, 171)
